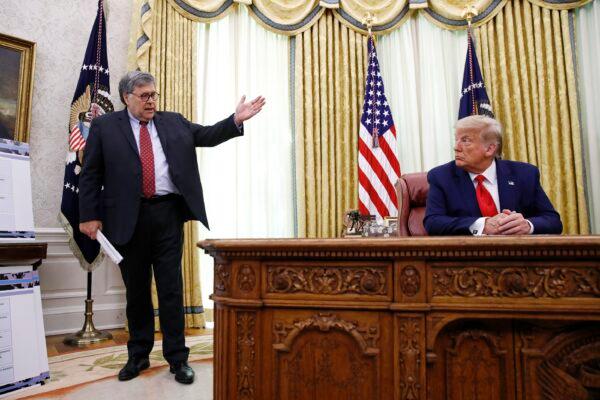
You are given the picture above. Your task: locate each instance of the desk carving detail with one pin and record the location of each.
(410, 281)
(246, 278)
(327, 280)
(477, 364)
(571, 367)
(366, 337)
(410, 359)
(222, 274)
(517, 282)
(246, 355)
(354, 381)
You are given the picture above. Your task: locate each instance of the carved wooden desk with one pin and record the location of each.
(408, 318)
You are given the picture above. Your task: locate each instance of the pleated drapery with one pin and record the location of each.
(527, 60)
(168, 52)
(330, 67)
(291, 17)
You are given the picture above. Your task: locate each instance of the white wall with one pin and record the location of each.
(61, 29)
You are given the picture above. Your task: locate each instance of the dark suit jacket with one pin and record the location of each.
(452, 204)
(111, 159)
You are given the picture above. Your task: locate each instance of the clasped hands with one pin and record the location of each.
(506, 223)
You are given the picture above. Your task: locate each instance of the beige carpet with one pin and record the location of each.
(92, 375)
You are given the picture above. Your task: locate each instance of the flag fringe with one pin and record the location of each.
(75, 249)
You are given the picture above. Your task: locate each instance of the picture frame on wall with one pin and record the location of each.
(17, 61)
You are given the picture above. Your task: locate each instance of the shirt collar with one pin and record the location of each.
(489, 174)
(136, 121)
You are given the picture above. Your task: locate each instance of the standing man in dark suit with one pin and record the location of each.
(146, 162)
(478, 193)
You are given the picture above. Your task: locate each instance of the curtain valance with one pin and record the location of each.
(290, 17)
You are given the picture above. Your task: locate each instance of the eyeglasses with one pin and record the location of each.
(145, 97)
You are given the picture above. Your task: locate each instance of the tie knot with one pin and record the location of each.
(143, 123)
(480, 178)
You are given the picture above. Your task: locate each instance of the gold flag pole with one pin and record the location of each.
(88, 333)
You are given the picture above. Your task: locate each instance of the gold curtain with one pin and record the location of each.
(330, 67)
(527, 63)
(169, 53)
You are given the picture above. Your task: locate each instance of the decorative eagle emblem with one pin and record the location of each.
(83, 111)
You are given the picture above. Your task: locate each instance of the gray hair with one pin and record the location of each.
(133, 79)
(490, 130)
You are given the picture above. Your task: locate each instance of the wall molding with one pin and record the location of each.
(64, 288)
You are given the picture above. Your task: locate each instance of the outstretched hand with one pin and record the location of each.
(246, 110)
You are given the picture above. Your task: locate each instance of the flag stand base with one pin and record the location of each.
(88, 334)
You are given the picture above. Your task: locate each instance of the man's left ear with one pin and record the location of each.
(491, 149)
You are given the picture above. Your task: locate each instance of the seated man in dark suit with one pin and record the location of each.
(478, 193)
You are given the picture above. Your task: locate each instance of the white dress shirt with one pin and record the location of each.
(491, 184)
(162, 177)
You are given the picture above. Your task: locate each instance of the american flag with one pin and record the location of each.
(91, 99)
(473, 97)
(378, 166)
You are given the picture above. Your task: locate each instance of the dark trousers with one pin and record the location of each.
(156, 246)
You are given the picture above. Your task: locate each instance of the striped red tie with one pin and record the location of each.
(147, 158)
(484, 198)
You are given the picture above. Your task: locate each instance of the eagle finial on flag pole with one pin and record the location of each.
(468, 13)
(368, 20)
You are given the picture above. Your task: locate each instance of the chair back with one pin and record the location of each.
(412, 192)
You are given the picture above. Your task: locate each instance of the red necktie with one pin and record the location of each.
(147, 158)
(484, 198)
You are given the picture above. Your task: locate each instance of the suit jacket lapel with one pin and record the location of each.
(466, 186)
(507, 186)
(125, 127)
(162, 133)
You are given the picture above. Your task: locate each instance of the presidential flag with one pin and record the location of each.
(473, 98)
(91, 99)
(378, 166)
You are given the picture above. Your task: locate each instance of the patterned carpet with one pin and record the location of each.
(72, 374)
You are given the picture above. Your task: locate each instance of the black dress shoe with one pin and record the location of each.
(133, 367)
(183, 372)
